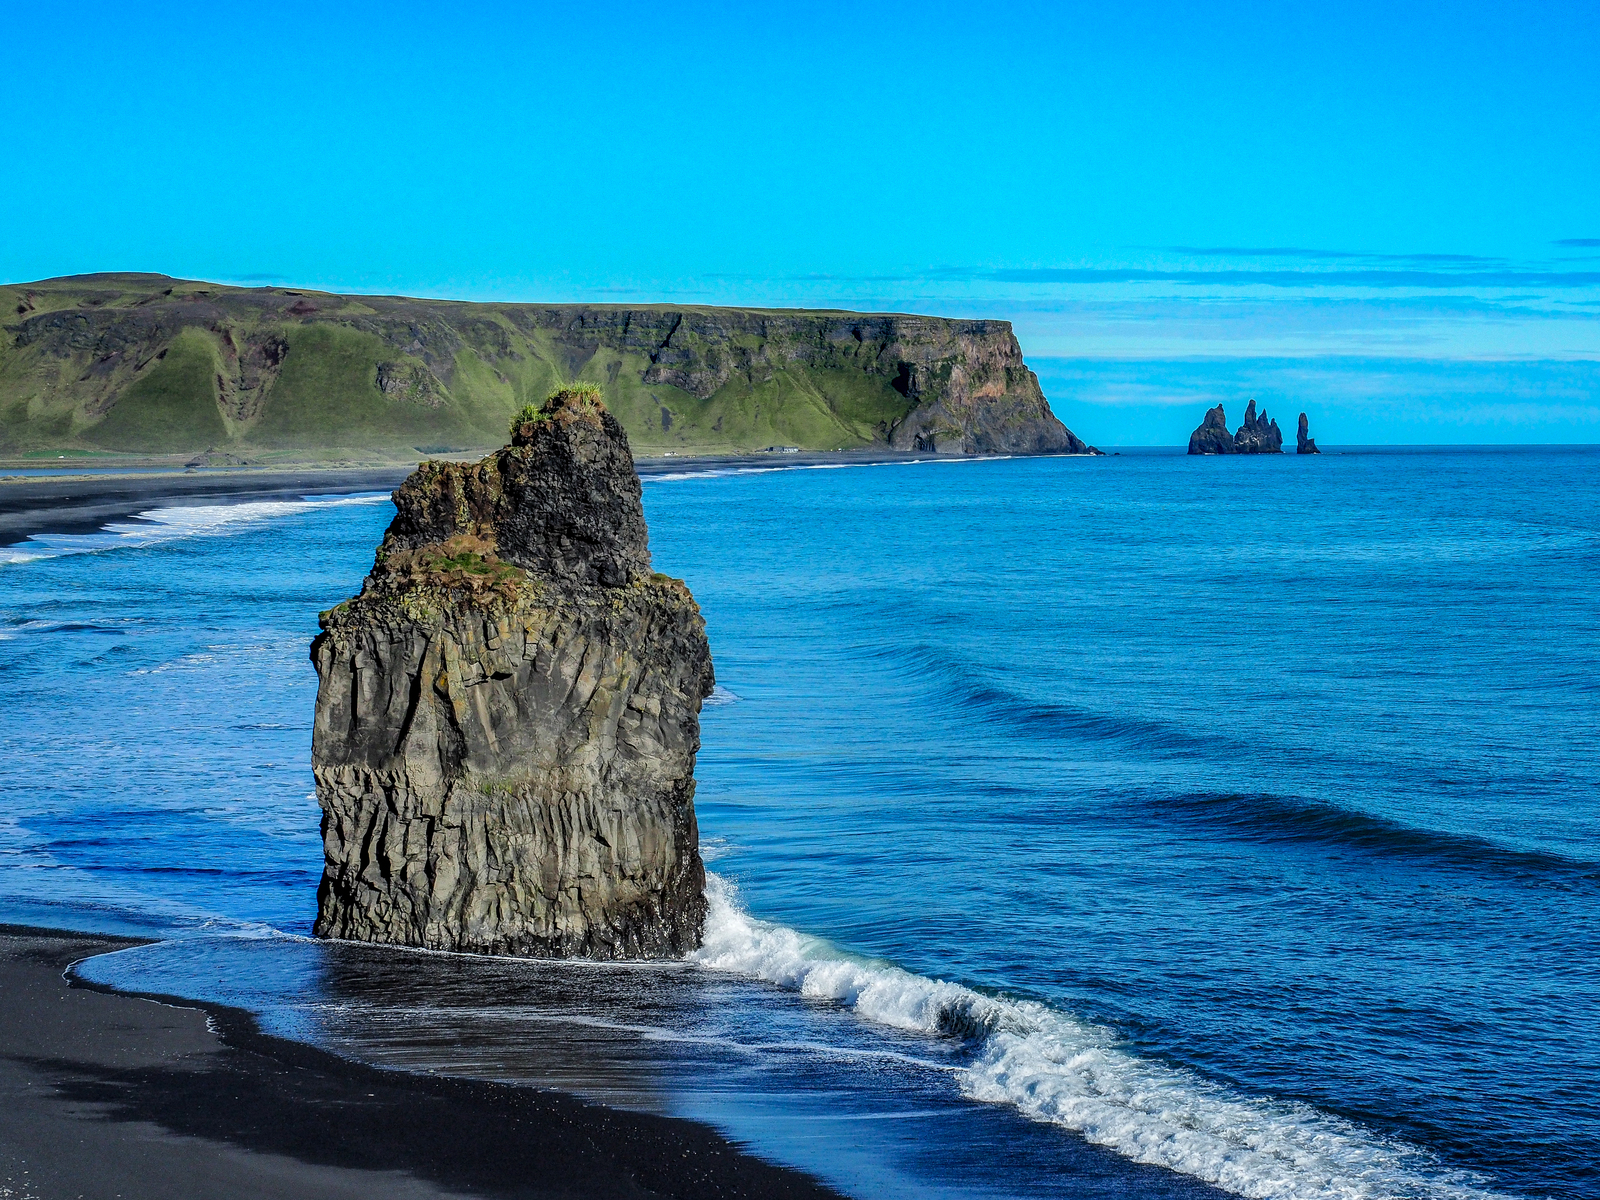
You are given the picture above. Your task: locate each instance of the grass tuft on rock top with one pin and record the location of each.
(574, 400)
(581, 393)
(530, 414)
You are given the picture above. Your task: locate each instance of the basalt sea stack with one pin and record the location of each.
(1212, 437)
(508, 713)
(1304, 442)
(1258, 435)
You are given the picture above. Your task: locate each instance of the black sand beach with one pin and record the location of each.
(84, 503)
(107, 1095)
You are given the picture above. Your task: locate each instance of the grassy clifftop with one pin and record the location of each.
(153, 365)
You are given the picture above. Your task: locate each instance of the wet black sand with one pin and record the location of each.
(84, 503)
(106, 1095)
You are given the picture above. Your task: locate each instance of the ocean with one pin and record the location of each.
(1127, 826)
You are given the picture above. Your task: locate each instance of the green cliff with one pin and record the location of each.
(152, 365)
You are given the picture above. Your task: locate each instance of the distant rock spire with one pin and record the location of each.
(1212, 437)
(1258, 435)
(1305, 445)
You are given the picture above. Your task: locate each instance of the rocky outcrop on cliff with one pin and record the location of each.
(1304, 443)
(149, 363)
(508, 714)
(1258, 435)
(1212, 437)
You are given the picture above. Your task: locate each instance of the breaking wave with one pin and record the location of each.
(1057, 1069)
(719, 697)
(158, 525)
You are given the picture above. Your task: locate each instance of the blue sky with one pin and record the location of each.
(1321, 184)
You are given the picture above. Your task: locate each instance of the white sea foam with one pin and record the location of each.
(719, 696)
(711, 473)
(158, 525)
(1057, 1069)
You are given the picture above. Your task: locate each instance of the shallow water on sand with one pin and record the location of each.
(1239, 818)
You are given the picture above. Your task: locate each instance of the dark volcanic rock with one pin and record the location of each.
(1258, 435)
(1213, 437)
(508, 713)
(563, 507)
(1305, 444)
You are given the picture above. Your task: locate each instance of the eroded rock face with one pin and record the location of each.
(1258, 435)
(972, 392)
(1304, 443)
(508, 714)
(1212, 437)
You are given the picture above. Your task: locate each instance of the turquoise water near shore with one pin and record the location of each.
(1130, 825)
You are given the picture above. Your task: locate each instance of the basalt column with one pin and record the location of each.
(1304, 442)
(508, 714)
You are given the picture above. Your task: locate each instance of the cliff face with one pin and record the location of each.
(982, 399)
(508, 714)
(151, 364)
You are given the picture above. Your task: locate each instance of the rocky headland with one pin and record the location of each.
(1257, 435)
(149, 364)
(508, 714)
(1304, 442)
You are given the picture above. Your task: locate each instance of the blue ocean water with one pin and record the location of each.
(1141, 825)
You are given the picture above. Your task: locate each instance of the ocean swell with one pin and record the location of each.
(1275, 819)
(962, 684)
(1054, 1068)
(1052, 722)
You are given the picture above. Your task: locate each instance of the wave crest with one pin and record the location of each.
(1054, 1068)
(158, 525)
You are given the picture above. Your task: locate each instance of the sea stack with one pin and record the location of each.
(1213, 437)
(1258, 435)
(1303, 443)
(508, 714)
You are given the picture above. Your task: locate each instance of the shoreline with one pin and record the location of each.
(106, 1090)
(86, 502)
(81, 503)
(77, 504)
